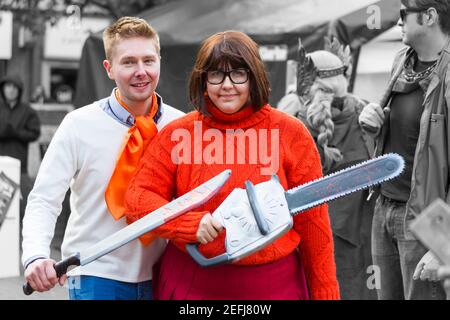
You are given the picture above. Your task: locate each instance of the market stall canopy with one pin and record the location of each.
(275, 25)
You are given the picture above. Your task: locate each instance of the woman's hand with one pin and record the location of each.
(208, 229)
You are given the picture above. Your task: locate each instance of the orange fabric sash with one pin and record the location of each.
(133, 147)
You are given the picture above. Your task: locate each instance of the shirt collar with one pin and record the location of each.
(120, 112)
(124, 116)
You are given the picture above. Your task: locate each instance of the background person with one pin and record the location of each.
(412, 120)
(324, 105)
(19, 126)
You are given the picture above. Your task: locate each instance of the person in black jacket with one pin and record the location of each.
(19, 125)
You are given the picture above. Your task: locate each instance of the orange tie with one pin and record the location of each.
(133, 147)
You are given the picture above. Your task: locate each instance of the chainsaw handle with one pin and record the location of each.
(261, 222)
(193, 251)
(256, 208)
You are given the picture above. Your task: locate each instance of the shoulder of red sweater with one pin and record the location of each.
(165, 137)
(184, 122)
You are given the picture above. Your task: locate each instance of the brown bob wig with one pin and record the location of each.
(224, 50)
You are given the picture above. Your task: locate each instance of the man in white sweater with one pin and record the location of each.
(82, 155)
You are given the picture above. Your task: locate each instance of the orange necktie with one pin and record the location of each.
(133, 147)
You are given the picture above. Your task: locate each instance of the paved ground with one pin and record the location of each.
(11, 288)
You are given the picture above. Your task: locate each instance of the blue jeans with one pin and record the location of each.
(95, 288)
(397, 255)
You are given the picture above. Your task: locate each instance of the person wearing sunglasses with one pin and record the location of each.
(412, 120)
(229, 88)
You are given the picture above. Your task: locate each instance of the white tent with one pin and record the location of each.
(375, 63)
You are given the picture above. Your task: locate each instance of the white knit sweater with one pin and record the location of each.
(82, 156)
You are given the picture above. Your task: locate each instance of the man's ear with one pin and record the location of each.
(108, 66)
(432, 16)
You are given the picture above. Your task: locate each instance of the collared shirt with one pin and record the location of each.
(113, 108)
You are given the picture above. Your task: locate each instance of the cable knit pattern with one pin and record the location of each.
(159, 179)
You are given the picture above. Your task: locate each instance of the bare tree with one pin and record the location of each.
(118, 8)
(34, 13)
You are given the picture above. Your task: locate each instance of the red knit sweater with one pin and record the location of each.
(159, 179)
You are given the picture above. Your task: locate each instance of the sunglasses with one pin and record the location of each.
(405, 11)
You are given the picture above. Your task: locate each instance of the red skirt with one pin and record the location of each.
(179, 277)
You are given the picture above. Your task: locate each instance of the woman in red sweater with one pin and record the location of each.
(234, 128)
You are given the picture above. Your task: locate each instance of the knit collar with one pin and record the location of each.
(244, 118)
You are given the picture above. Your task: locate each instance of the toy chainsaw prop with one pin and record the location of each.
(254, 217)
(260, 214)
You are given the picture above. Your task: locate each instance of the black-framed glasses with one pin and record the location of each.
(237, 76)
(405, 11)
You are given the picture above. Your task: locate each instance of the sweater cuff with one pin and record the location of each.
(326, 294)
(186, 226)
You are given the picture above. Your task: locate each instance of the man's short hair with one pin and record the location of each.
(442, 7)
(125, 28)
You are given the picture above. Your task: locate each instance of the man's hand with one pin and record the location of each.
(427, 268)
(41, 275)
(371, 118)
(444, 274)
(208, 229)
